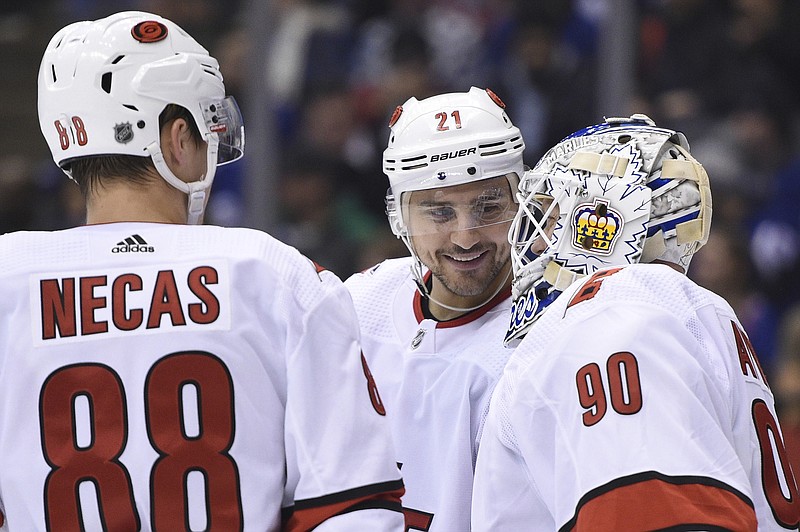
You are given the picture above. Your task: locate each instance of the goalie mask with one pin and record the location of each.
(445, 141)
(613, 194)
(103, 84)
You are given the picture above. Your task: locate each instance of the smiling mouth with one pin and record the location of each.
(466, 258)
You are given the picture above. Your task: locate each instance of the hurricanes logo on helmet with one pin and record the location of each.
(596, 227)
(149, 31)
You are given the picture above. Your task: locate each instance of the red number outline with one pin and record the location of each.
(594, 401)
(180, 453)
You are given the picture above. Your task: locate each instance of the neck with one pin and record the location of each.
(118, 201)
(676, 267)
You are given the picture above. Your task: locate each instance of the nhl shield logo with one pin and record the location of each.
(123, 133)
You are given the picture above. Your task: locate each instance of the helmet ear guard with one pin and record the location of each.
(392, 213)
(626, 191)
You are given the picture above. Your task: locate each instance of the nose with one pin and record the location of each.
(465, 238)
(539, 246)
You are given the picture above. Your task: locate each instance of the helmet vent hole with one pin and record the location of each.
(623, 139)
(105, 82)
(131, 107)
(493, 144)
(117, 59)
(53, 69)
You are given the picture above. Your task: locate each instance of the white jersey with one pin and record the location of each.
(436, 379)
(156, 376)
(635, 402)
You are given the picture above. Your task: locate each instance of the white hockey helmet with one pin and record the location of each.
(617, 193)
(104, 83)
(447, 140)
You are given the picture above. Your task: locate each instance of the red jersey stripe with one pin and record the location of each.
(657, 504)
(308, 518)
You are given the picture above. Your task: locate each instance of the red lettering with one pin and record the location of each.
(90, 303)
(165, 301)
(198, 279)
(372, 388)
(748, 360)
(590, 287)
(61, 311)
(58, 308)
(119, 308)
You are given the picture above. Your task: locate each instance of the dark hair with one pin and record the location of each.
(95, 170)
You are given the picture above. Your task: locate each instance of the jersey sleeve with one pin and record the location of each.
(504, 497)
(340, 460)
(626, 424)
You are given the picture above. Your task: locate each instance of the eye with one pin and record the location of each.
(440, 214)
(490, 209)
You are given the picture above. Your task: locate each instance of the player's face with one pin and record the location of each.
(460, 233)
(549, 225)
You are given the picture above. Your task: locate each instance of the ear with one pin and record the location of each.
(176, 143)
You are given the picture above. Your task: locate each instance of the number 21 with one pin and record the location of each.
(442, 117)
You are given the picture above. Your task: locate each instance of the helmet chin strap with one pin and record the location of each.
(196, 191)
(416, 270)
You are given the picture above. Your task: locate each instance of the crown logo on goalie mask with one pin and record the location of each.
(596, 227)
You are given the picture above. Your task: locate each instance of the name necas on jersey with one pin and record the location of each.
(118, 301)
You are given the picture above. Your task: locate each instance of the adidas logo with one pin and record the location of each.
(133, 244)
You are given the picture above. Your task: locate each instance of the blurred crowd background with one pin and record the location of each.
(318, 79)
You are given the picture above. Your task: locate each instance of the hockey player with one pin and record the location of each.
(634, 400)
(156, 374)
(432, 324)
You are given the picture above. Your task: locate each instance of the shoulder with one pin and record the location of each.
(615, 307)
(262, 262)
(383, 278)
(654, 286)
(26, 250)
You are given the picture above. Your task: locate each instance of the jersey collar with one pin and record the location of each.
(464, 319)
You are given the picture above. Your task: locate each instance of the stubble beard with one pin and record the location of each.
(469, 283)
